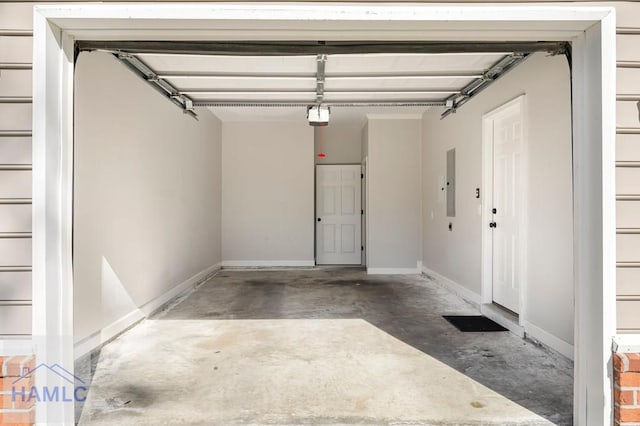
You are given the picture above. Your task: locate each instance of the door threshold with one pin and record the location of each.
(504, 317)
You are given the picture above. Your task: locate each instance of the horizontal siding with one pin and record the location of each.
(628, 282)
(15, 83)
(628, 247)
(628, 180)
(15, 116)
(15, 150)
(628, 81)
(15, 252)
(628, 147)
(15, 218)
(16, 16)
(16, 50)
(627, 15)
(628, 214)
(16, 46)
(627, 316)
(15, 320)
(15, 184)
(627, 113)
(15, 286)
(627, 48)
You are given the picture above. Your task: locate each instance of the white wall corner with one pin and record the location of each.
(453, 287)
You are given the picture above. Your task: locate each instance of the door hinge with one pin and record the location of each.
(361, 175)
(361, 248)
(361, 211)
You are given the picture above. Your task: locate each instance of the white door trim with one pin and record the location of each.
(487, 197)
(365, 207)
(591, 31)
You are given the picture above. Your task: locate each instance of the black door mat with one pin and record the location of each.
(473, 323)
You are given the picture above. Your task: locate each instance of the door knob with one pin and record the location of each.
(492, 224)
(319, 220)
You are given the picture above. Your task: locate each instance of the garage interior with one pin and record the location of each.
(202, 222)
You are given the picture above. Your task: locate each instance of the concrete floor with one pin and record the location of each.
(323, 346)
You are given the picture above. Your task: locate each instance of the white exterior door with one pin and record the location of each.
(506, 214)
(338, 215)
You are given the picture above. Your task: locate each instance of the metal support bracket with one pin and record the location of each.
(497, 70)
(164, 87)
(320, 77)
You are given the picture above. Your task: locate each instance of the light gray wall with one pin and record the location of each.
(394, 204)
(267, 192)
(340, 141)
(147, 193)
(457, 255)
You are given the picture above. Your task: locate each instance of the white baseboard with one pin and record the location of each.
(548, 339)
(454, 287)
(267, 263)
(110, 331)
(392, 271)
(396, 271)
(155, 304)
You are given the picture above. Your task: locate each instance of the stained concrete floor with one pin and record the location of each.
(322, 346)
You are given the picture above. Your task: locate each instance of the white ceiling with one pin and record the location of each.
(361, 78)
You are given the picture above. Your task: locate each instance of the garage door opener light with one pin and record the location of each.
(318, 115)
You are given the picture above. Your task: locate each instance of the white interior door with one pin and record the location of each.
(338, 215)
(506, 214)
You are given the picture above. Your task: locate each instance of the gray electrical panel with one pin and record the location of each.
(451, 183)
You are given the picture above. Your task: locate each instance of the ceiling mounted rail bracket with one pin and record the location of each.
(145, 72)
(320, 77)
(500, 68)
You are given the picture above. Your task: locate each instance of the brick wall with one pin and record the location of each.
(14, 408)
(626, 388)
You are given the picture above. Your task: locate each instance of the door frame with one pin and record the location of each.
(365, 207)
(591, 30)
(315, 211)
(486, 295)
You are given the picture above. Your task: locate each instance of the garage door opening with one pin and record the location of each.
(591, 46)
(164, 198)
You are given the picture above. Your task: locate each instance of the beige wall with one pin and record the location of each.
(15, 52)
(456, 254)
(393, 204)
(147, 191)
(341, 141)
(267, 193)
